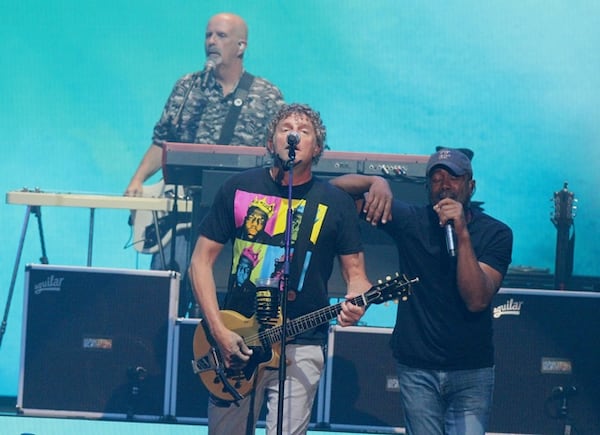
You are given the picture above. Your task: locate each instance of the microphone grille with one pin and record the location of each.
(293, 138)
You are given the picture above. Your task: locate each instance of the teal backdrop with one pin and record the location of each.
(518, 81)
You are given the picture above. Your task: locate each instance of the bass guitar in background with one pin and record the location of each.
(562, 218)
(151, 226)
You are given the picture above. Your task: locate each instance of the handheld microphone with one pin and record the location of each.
(293, 139)
(208, 67)
(449, 231)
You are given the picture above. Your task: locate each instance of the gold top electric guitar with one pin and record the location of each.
(233, 385)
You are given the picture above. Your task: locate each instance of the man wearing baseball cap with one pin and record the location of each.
(442, 339)
(455, 160)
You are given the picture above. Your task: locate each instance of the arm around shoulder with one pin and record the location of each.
(378, 195)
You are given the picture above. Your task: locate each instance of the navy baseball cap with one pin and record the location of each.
(453, 160)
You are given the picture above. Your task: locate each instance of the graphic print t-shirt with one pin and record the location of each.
(251, 211)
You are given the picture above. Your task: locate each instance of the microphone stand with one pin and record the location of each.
(289, 166)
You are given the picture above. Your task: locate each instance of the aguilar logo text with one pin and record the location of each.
(511, 308)
(50, 284)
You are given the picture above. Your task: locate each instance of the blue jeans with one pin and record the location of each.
(454, 402)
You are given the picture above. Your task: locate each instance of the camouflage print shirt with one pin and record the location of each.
(196, 114)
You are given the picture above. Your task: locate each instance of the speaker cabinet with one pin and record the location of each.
(547, 345)
(97, 342)
(547, 362)
(361, 386)
(189, 398)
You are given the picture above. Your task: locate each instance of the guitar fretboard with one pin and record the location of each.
(377, 294)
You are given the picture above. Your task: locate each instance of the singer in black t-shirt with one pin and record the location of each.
(442, 338)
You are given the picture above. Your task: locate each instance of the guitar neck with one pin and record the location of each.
(319, 317)
(308, 321)
(376, 295)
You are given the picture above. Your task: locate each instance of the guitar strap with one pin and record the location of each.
(239, 98)
(312, 200)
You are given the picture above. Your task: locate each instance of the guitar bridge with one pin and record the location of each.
(201, 365)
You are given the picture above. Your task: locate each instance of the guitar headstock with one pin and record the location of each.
(397, 287)
(564, 207)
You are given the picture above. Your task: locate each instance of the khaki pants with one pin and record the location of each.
(303, 372)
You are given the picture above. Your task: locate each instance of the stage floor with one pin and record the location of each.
(27, 425)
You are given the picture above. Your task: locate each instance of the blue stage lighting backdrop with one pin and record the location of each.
(83, 83)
